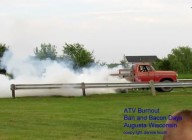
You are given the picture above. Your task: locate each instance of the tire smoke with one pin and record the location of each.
(28, 70)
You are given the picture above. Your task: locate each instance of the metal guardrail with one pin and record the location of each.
(185, 80)
(84, 86)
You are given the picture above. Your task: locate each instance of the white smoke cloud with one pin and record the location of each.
(29, 70)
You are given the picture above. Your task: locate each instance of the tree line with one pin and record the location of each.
(76, 53)
(180, 58)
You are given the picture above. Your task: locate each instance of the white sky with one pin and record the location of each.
(110, 28)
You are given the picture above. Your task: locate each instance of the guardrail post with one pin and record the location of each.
(13, 91)
(151, 82)
(83, 88)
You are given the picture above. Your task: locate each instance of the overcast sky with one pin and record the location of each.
(110, 28)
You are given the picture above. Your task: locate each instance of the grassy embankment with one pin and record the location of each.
(96, 117)
(185, 76)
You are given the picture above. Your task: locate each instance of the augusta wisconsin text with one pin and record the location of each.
(148, 115)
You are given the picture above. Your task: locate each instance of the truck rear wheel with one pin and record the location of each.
(166, 89)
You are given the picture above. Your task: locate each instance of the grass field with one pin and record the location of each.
(185, 76)
(96, 117)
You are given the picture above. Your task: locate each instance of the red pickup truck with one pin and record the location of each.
(144, 72)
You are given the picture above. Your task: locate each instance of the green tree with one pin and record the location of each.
(123, 63)
(162, 64)
(181, 59)
(78, 54)
(113, 65)
(46, 51)
(3, 48)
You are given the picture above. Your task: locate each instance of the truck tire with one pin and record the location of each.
(158, 89)
(166, 89)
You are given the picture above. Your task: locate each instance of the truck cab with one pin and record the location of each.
(145, 72)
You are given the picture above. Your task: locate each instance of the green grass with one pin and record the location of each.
(185, 76)
(96, 117)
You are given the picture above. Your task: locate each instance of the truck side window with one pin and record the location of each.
(143, 68)
(148, 68)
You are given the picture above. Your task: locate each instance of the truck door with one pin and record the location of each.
(151, 72)
(144, 74)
